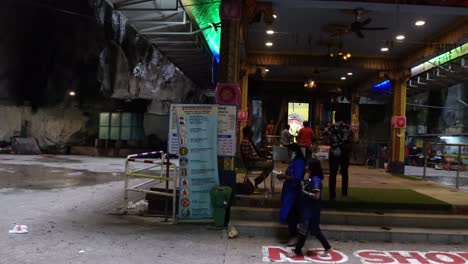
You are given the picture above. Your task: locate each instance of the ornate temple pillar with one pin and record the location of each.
(229, 57)
(244, 103)
(398, 131)
(355, 115)
(229, 65)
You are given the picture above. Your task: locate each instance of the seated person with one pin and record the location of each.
(286, 137)
(252, 157)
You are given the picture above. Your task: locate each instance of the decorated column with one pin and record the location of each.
(355, 115)
(230, 14)
(318, 116)
(243, 109)
(398, 126)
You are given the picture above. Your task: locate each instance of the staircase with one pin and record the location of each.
(258, 216)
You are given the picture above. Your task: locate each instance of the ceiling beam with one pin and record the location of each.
(381, 64)
(296, 80)
(123, 4)
(440, 43)
(452, 7)
(443, 3)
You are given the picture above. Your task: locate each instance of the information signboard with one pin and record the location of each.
(197, 127)
(226, 136)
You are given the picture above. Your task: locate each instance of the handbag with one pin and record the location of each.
(245, 187)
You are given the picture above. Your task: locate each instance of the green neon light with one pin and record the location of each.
(206, 12)
(441, 59)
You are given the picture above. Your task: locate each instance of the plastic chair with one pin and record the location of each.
(279, 154)
(250, 169)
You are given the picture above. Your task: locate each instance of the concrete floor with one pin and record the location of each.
(67, 202)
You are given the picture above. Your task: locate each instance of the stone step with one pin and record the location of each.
(329, 217)
(357, 233)
(264, 201)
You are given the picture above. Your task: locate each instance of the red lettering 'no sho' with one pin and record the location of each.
(274, 253)
(374, 257)
(333, 257)
(463, 254)
(403, 257)
(445, 258)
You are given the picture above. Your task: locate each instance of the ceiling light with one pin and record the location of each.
(72, 93)
(400, 37)
(343, 78)
(267, 70)
(310, 84)
(275, 16)
(384, 49)
(269, 44)
(270, 32)
(350, 73)
(420, 23)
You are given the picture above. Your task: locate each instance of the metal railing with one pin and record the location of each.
(450, 159)
(153, 161)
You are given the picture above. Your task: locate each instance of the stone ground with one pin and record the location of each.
(68, 205)
(444, 177)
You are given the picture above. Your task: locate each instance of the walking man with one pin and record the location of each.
(340, 137)
(305, 138)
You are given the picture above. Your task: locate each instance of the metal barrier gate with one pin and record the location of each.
(453, 159)
(151, 161)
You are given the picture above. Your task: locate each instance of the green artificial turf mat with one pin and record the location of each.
(385, 199)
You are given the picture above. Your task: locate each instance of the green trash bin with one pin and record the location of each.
(221, 200)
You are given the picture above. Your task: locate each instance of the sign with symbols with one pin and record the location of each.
(242, 115)
(197, 127)
(227, 93)
(226, 131)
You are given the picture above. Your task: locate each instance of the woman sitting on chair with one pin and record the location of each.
(290, 211)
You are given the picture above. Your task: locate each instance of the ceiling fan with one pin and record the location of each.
(357, 27)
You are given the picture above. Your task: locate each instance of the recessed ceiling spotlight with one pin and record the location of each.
(400, 37)
(350, 73)
(270, 32)
(343, 78)
(384, 49)
(275, 16)
(420, 23)
(269, 44)
(267, 70)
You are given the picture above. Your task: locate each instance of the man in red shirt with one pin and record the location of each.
(305, 138)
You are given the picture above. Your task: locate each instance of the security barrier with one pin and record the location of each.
(446, 158)
(152, 161)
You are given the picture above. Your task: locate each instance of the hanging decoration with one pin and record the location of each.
(231, 10)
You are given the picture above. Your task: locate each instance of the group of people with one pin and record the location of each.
(301, 197)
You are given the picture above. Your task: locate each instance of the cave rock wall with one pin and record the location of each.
(49, 126)
(132, 68)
